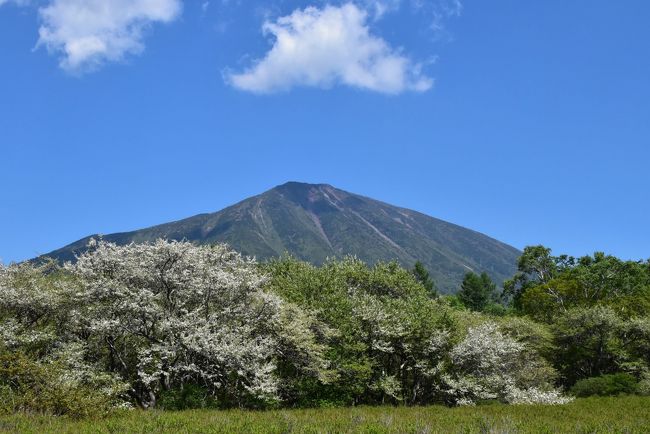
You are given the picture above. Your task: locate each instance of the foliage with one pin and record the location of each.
(547, 286)
(606, 385)
(389, 335)
(644, 385)
(190, 396)
(422, 275)
(596, 341)
(403, 346)
(597, 308)
(172, 314)
(158, 317)
(488, 364)
(477, 292)
(176, 326)
(29, 386)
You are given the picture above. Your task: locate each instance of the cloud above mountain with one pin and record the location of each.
(87, 33)
(328, 46)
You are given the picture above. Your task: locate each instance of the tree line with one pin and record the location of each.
(173, 325)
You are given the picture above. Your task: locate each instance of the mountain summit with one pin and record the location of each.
(317, 221)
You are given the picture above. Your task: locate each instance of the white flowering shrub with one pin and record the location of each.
(32, 306)
(489, 365)
(196, 315)
(533, 395)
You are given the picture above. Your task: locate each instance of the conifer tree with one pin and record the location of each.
(423, 276)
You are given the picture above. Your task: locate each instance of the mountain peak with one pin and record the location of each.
(314, 222)
(301, 187)
(311, 196)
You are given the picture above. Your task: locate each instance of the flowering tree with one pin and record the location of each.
(488, 364)
(42, 352)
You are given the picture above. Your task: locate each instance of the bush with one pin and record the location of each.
(591, 342)
(188, 397)
(644, 385)
(606, 385)
(495, 309)
(29, 386)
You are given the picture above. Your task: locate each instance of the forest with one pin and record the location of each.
(175, 326)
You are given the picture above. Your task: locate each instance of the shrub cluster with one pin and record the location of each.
(606, 385)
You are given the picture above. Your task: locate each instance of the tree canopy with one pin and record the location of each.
(174, 325)
(477, 292)
(422, 275)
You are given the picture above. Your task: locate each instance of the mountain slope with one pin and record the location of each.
(317, 221)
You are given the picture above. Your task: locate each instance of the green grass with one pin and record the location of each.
(591, 415)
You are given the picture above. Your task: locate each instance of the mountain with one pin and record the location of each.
(317, 221)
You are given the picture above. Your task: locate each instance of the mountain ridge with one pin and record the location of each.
(314, 222)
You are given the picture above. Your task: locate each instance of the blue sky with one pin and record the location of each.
(528, 121)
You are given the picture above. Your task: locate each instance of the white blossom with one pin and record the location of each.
(488, 364)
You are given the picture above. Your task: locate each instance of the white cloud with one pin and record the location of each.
(88, 33)
(328, 46)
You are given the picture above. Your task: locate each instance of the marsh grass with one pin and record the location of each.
(590, 415)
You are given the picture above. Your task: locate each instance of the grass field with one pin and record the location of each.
(593, 415)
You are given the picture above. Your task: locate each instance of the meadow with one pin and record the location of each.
(588, 415)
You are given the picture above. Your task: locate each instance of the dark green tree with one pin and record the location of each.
(422, 275)
(477, 292)
(546, 286)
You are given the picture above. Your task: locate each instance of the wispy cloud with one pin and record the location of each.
(88, 33)
(436, 11)
(379, 8)
(328, 46)
(16, 2)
